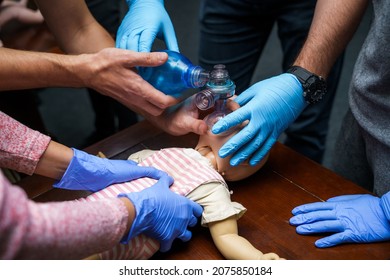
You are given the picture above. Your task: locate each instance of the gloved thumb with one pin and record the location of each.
(164, 181)
(149, 172)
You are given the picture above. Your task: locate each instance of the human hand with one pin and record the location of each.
(162, 214)
(91, 173)
(146, 20)
(270, 106)
(353, 218)
(112, 72)
(181, 119)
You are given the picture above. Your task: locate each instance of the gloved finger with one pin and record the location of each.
(315, 206)
(127, 40)
(262, 151)
(165, 181)
(320, 227)
(245, 97)
(146, 40)
(193, 221)
(333, 240)
(344, 197)
(250, 140)
(196, 208)
(121, 41)
(132, 42)
(185, 236)
(237, 141)
(170, 38)
(232, 119)
(313, 217)
(165, 245)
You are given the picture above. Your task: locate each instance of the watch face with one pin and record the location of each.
(314, 86)
(315, 89)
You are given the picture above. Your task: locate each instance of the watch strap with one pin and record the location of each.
(301, 73)
(314, 86)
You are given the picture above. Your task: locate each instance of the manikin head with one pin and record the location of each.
(209, 145)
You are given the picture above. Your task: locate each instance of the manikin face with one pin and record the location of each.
(209, 145)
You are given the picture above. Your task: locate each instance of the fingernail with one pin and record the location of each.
(234, 162)
(223, 152)
(216, 129)
(162, 56)
(293, 221)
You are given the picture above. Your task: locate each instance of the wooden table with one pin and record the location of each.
(287, 180)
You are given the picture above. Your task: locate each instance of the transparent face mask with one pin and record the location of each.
(219, 89)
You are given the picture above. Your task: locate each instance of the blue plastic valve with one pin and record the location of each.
(175, 76)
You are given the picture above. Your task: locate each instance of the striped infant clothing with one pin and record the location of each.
(188, 174)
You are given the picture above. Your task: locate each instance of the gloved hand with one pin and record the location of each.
(354, 218)
(146, 20)
(162, 214)
(270, 106)
(91, 173)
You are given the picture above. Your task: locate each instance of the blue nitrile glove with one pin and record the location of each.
(270, 106)
(354, 218)
(91, 173)
(162, 214)
(146, 20)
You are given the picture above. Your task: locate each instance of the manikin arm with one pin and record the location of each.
(233, 246)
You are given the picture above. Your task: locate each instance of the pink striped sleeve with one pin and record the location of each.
(20, 147)
(58, 230)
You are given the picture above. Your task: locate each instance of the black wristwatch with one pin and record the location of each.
(314, 86)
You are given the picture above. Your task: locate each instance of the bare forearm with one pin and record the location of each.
(23, 70)
(75, 29)
(54, 161)
(333, 26)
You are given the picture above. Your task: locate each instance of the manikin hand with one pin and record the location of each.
(112, 73)
(91, 173)
(353, 218)
(270, 106)
(146, 20)
(181, 119)
(162, 214)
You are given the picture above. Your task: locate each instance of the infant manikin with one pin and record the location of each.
(199, 174)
